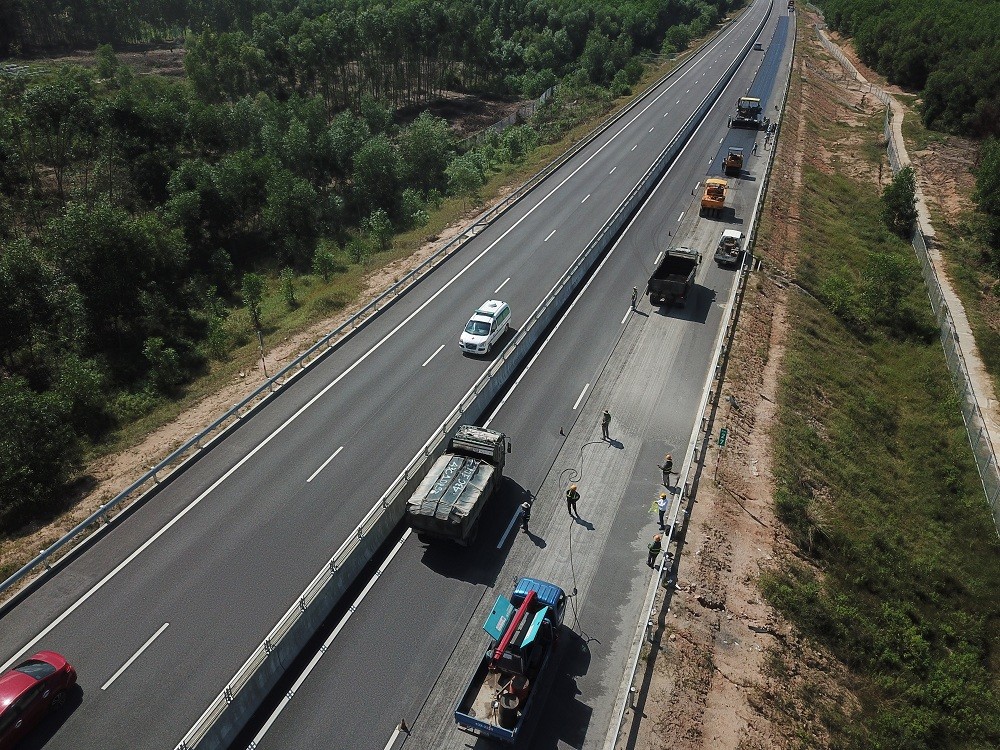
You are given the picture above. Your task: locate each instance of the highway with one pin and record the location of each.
(159, 613)
(415, 636)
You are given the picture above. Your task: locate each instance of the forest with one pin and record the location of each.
(142, 218)
(945, 49)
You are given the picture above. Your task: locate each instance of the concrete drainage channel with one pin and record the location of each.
(245, 692)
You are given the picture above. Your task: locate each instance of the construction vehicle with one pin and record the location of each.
(512, 676)
(673, 276)
(749, 114)
(733, 163)
(448, 502)
(714, 197)
(730, 248)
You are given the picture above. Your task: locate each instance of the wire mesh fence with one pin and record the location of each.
(975, 422)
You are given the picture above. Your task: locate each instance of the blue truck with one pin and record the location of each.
(524, 631)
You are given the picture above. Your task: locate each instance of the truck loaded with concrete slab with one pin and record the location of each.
(448, 502)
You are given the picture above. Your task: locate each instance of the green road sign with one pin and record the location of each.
(723, 434)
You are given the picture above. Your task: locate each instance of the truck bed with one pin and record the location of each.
(448, 501)
(476, 710)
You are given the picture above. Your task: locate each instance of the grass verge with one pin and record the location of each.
(900, 563)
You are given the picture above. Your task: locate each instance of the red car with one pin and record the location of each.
(29, 690)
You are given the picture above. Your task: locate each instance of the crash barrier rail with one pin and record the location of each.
(975, 423)
(700, 435)
(192, 449)
(228, 712)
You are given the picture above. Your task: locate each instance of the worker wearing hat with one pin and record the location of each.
(667, 467)
(654, 549)
(571, 497)
(661, 505)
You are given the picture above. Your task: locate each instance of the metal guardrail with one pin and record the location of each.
(204, 732)
(975, 423)
(699, 435)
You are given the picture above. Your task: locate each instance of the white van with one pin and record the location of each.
(485, 327)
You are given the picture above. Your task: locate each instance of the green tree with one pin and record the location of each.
(288, 288)
(60, 115)
(465, 177)
(324, 262)
(899, 202)
(165, 371)
(38, 451)
(377, 182)
(987, 193)
(82, 389)
(253, 297)
(105, 60)
(379, 228)
(425, 147)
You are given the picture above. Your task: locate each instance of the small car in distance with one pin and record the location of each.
(485, 327)
(759, 46)
(29, 691)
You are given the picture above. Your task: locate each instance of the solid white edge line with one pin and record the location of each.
(580, 397)
(506, 533)
(438, 350)
(502, 285)
(135, 656)
(326, 644)
(392, 740)
(327, 461)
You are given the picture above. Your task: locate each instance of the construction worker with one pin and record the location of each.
(667, 467)
(571, 497)
(635, 296)
(661, 505)
(605, 424)
(525, 514)
(753, 151)
(654, 549)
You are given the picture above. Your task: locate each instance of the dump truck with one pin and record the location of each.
(516, 668)
(713, 199)
(733, 163)
(673, 276)
(749, 114)
(730, 248)
(448, 502)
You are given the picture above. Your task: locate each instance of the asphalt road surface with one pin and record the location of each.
(415, 638)
(158, 615)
